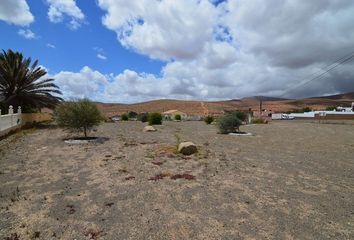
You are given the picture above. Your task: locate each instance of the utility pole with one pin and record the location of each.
(260, 109)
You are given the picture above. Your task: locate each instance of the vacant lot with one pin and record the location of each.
(291, 180)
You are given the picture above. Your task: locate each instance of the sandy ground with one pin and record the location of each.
(291, 180)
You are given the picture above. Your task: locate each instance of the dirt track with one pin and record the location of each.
(291, 180)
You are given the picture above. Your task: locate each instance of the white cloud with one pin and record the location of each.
(216, 51)
(60, 9)
(86, 83)
(101, 56)
(100, 53)
(162, 29)
(50, 45)
(16, 12)
(27, 33)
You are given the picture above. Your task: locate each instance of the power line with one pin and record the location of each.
(330, 67)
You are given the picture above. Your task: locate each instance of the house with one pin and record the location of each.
(171, 114)
(346, 109)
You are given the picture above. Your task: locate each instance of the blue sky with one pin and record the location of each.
(75, 49)
(138, 50)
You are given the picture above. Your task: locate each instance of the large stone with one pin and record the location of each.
(149, 129)
(187, 148)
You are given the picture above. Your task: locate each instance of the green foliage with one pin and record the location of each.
(22, 83)
(81, 115)
(143, 117)
(229, 123)
(132, 115)
(240, 115)
(178, 117)
(259, 121)
(330, 108)
(306, 109)
(124, 117)
(155, 119)
(208, 119)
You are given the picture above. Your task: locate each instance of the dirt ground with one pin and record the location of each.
(291, 180)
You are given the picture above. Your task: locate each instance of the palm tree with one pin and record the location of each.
(21, 83)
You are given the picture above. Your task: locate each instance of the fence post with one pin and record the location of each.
(19, 116)
(11, 109)
(11, 113)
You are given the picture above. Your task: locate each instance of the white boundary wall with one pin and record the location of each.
(10, 121)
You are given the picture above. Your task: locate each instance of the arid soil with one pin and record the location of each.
(290, 180)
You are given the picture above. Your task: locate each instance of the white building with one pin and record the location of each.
(346, 109)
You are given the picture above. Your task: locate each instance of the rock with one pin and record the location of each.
(187, 148)
(149, 129)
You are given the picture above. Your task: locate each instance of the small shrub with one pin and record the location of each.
(155, 119)
(178, 117)
(143, 117)
(229, 123)
(208, 119)
(330, 108)
(259, 121)
(132, 115)
(306, 109)
(81, 115)
(241, 115)
(124, 117)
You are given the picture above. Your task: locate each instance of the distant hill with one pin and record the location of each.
(263, 98)
(339, 96)
(218, 107)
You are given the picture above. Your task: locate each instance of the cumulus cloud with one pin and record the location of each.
(222, 49)
(85, 83)
(27, 33)
(16, 12)
(61, 9)
(161, 29)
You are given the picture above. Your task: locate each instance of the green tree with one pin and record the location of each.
(81, 115)
(124, 117)
(240, 115)
(143, 117)
(24, 84)
(229, 123)
(155, 119)
(178, 117)
(132, 114)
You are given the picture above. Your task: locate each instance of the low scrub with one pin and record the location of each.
(259, 121)
(208, 119)
(132, 115)
(178, 117)
(124, 117)
(229, 123)
(143, 117)
(155, 119)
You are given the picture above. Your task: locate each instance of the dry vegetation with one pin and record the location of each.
(291, 180)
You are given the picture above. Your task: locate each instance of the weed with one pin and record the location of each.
(185, 176)
(93, 234)
(129, 178)
(159, 176)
